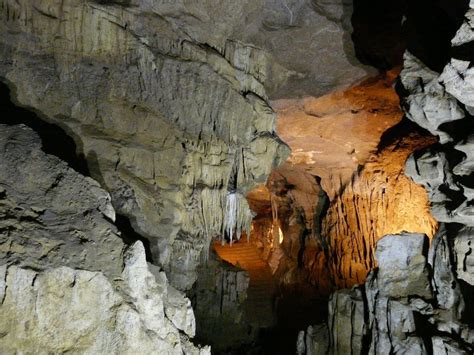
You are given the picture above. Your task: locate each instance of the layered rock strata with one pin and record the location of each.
(68, 283)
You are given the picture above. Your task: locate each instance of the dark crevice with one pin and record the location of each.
(464, 52)
(378, 35)
(459, 130)
(55, 141)
(430, 26)
(396, 133)
(367, 336)
(425, 331)
(129, 235)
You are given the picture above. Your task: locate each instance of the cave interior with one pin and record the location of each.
(237, 183)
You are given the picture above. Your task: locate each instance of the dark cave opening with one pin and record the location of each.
(54, 139)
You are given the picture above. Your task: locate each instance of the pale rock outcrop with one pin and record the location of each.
(428, 103)
(126, 315)
(68, 283)
(402, 266)
(457, 78)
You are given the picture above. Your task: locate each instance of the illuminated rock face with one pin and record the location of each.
(379, 200)
(342, 188)
(417, 301)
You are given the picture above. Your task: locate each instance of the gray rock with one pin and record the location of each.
(445, 346)
(432, 170)
(463, 251)
(445, 285)
(458, 78)
(465, 34)
(50, 215)
(402, 268)
(428, 104)
(347, 326)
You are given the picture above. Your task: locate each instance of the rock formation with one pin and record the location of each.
(171, 105)
(379, 200)
(168, 102)
(68, 283)
(342, 188)
(169, 152)
(417, 300)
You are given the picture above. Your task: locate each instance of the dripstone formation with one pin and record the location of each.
(418, 299)
(170, 105)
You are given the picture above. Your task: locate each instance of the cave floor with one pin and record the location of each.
(262, 286)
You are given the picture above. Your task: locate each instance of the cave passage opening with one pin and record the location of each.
(320, 214)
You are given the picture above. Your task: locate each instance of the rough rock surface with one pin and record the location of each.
(68, 283)
(397, 310)
(379, 200)
(169, 152)
(41, 225)
(133, 313)
(339, 147)
(411, 306)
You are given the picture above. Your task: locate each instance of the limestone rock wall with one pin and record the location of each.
(68, 283)
(169, 125)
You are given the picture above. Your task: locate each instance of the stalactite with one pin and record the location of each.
(237, 217)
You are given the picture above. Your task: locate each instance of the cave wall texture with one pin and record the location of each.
(418, 299)
(169, 103)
